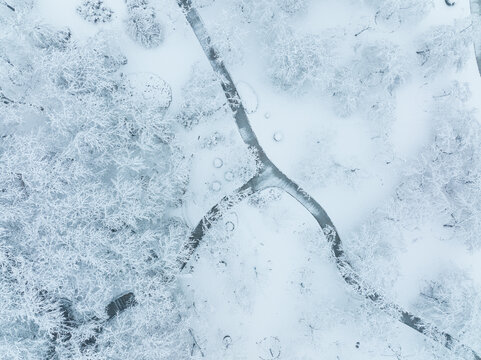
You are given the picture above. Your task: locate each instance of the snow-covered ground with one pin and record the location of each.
(263, 283)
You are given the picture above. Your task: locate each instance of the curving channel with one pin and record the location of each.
(270, 176)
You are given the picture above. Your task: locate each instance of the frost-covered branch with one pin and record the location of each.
(8, 6)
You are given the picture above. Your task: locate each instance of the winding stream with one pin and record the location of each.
(270, 176)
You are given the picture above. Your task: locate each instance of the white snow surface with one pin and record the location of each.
(271, 283)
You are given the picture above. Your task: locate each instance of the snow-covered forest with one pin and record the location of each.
(240, 179)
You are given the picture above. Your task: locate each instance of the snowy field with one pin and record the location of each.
(240, 179)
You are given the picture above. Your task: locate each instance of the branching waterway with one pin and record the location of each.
(270, 176)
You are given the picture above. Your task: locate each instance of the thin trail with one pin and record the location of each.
(270, 176)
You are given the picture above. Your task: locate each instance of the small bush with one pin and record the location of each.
(94, 11)
(143, 26)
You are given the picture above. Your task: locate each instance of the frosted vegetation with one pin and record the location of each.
(89, 171)
(95, 11)
(142, 24)
(107, 166)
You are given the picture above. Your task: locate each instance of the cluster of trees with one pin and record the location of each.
(265, 17)
(202, 98)
(377, 245)
(265, 12)
(452, 301)
(394, 13)
(89, 174)
(446, 46)
(438, 191)
(298, 61)
(143, 25)
(364, 80)
(367, 82)
(444, 181)
(95, 11)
